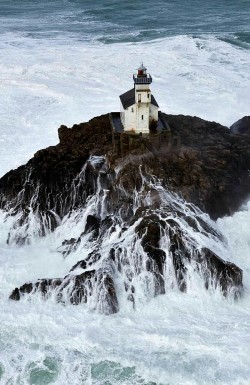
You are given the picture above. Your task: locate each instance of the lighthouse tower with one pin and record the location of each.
(139, 108)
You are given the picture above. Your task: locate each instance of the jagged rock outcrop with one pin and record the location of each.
(242, 126)
(75, 288)
(212, 167)
(209, 168)
(49, 174)
(132, 197)
(146, 255)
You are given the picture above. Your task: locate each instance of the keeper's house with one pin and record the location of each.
(140, 125)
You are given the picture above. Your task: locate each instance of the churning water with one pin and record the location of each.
(63, 62)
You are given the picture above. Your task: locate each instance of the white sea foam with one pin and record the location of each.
(46, 83)
(176, 339)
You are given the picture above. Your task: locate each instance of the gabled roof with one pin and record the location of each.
(128, 99)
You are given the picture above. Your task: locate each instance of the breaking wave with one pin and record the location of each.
(175, 338)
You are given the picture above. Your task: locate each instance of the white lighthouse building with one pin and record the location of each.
(139, 109)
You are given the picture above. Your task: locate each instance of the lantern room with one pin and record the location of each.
(142, 71)
(142, 77)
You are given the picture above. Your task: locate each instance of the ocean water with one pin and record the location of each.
(63, 62)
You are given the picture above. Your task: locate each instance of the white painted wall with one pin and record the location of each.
(142, 93)
(130, 118)
(142, 118)
(138, 116)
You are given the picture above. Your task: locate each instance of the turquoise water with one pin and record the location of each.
(127, 21)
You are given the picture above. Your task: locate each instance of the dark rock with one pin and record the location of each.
(26, 288)
(79, 285)
(92, 225)
(218, 272)
(77, 288)
(93, 257)
(242, 126)
(107, 299)
(79, 264)
(208, 166)
(15, 295)
(56, 168)
(157, 255)
(149, 230)
(107, 225)
(42, 286)
(215, 271)
(68, 246)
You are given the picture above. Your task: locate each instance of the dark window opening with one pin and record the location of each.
(132, 109)
(142, 117)
(139, 97)
(148, 96)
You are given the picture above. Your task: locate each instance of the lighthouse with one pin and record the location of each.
(139, 109)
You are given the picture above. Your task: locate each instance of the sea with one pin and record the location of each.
(64, 62)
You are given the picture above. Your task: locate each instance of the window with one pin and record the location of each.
(148, 96)
(139, 98)
(142, 117)
(132, 110)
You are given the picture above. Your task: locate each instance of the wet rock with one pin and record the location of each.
(15, 295)
(218, 272)
(76, 289)
(68, 246)
(107, 226)
(208, 167)
(78, 286)
(92, 225)
(242, 126)
(42, 286)
(107, 300)
(215, 271)
(149, 229)
(157, 255)
(55, 170)
(80, 264)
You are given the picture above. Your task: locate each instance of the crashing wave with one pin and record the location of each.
(141, 241)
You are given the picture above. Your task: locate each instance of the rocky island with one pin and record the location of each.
(139, 211)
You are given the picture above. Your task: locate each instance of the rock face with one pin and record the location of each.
(137, 202)
(242, 126)
(74, 289)
(211, 168)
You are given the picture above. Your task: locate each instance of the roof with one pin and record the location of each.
(142, 68)
(128, 99)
